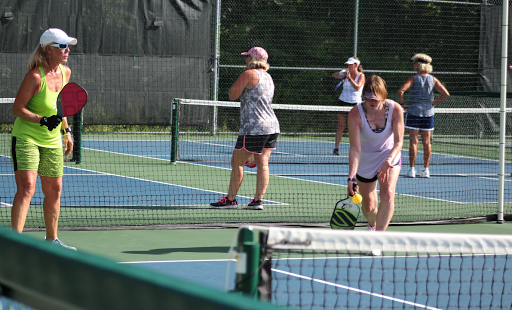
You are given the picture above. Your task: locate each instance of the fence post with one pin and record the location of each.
(174, 130)
(247, 264)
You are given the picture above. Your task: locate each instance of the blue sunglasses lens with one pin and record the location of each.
(61, 46)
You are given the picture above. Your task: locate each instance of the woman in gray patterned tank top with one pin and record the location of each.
(258, 132)
(420, 110)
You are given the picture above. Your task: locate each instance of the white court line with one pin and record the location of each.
(157, 182)
(281, 176)
(273, 152)
(495, 179)
(181, 261)
(125, 154)
(355, 290)
(326, 183)
(170, 184)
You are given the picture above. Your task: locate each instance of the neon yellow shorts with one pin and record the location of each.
(48, 162)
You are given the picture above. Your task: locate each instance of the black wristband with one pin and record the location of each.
(351, 179)
(67, 130)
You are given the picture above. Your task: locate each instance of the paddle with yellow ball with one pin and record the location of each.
(346, 212)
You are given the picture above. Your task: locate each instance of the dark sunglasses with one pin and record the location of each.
(61, 46)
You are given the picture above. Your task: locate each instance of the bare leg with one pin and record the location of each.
(370, 201)
(427, 147)
(26, 185)
(237, 172)
(263, 174)
(387, 199)
(342, 120)
(413, 146)
(52, 189)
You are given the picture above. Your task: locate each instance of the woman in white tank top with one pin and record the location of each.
(376, 131)
(352, 80)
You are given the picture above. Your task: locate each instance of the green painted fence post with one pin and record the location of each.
(174, 130)
(247, 264)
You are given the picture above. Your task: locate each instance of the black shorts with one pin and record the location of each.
(256, 144)
(342, 103)
(365, 180)
(419, 123)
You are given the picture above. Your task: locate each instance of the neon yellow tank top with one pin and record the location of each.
(44, 104)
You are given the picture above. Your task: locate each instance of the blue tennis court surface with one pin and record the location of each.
(212, 273)
(218, 154)
(97, 188)
(100, 189)
(429, 282)
(383, 282)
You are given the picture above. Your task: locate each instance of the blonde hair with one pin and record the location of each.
(258, 64)
(376, 85)
(424, 61)
(38, 58)
(359, 67)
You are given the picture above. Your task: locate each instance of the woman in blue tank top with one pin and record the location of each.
(420, 110)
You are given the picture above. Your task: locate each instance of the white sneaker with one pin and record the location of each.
(370, 228)
(373, 253)
(58, 242)
(411, 173)
(425, 173)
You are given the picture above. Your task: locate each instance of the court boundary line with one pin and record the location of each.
(355, 289)
(348, 144)
(170, 184)
(183, 261)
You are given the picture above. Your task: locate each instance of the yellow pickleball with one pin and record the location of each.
(357, 198)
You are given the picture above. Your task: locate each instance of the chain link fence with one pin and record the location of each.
(308, 40)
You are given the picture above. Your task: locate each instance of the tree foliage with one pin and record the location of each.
(321, 34)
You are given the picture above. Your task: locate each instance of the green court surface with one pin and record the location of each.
(204, 244)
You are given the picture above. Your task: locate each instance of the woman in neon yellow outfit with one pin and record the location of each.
(36, 141)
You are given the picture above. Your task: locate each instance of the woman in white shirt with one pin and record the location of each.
(353, 81)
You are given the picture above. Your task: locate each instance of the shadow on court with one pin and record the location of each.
(213, 249)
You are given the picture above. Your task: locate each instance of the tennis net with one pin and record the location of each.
(147, 176)
(466, 135)
(329, 269)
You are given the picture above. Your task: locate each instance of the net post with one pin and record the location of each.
(174, 130)
(77, 137)
(247, 263)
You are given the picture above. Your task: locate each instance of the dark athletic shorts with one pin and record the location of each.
(365, 180)
(419, 123)
(256, 144)
(342, 103)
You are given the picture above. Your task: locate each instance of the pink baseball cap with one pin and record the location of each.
(257, 52)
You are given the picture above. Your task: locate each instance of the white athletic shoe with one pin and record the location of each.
(374, 253)
(62, 244)
(411, 173)
(370, 228)
(425, 173)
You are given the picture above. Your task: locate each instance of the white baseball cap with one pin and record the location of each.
(352, 60)
(56, 35)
